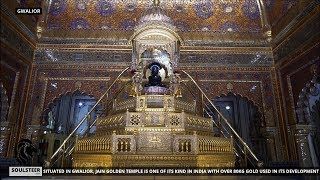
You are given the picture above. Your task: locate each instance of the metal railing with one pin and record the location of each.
(206, 108)
(69, 150)
(245, 149)
(62, 146)
(240, 146)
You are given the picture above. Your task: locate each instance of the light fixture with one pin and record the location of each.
(227, 107)
(80, 103)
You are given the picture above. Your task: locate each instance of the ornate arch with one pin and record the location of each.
(303, 106)
(254, 132)
(50, 106)
(251, 102)
(242, 96)
(55, 99)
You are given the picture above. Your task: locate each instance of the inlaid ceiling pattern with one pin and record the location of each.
(243, 16)
(231, 16)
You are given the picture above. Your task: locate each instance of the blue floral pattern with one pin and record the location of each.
(179, 8)
(57, 7)
(128, 24)
(251, 9)
(105, 8)
(182, 26)
(105, 26)
(81, 5)
(130, 7)
(229, 27)
(203, 9)
(79, 24)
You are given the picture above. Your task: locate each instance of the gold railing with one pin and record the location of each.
(198, 122)
(97, 144)
(124, 104)
(215, 144)
(106, 124)
(62, 146)
(113, 144)
(185, 106)
(126, 144)
(245, 147)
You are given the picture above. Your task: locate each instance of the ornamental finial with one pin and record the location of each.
(156, 3)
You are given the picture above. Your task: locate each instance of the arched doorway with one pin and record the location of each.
(245, 118)
(61, 118)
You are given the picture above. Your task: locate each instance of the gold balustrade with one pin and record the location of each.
(183, 144)
(124, 104)
(184, 106)
(96, 144)
(215, 144)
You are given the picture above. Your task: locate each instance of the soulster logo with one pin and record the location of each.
(28, 10)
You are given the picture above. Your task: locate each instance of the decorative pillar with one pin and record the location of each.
(33, 133)
(4, 137)
(270, 133)
(303, 148)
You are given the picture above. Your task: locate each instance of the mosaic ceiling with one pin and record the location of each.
(113, 15)
(93, 18)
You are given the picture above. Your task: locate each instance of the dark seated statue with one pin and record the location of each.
(154, 78)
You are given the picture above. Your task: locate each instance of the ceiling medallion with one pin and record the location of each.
(179, 8)
(229, 27)
(105, 8)
(57, 7)
(131, 7)
(127, 24)
(229, 9)
(105, 26)
(79, 24)
(253, 9)
(182, 26)
(204, 10)
(250, 9)
(206, 28)
(81, 6)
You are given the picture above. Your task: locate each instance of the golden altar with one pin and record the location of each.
(155, 127)
(154, 131)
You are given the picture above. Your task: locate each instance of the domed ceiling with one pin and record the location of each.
(196, 20)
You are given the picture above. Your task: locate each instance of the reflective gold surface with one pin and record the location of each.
(166, 136)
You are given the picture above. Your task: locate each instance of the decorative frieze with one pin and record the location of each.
(15, 40)
(187, 58)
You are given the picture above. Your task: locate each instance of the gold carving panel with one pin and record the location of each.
(154, 143)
